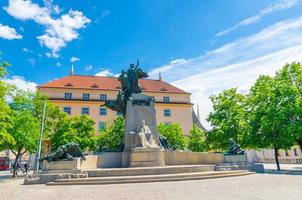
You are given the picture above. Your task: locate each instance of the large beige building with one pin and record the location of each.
(77, 94)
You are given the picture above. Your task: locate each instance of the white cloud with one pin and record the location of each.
(25, 49)
(58, 64)
(8, 33)
(105, 13)
(236, 64)
(31, 61)
(21, 83)
(88, 67)
(279, 5)
(58, 31)
(74, 59)
(105, 72)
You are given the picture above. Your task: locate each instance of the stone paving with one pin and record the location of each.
(258, 186)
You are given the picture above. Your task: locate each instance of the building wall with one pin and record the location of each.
(179, 105)
(290, 156)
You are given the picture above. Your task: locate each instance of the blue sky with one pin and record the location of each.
(200, 46)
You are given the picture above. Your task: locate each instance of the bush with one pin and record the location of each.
(174, 134)
(196, 141)
(111, 138)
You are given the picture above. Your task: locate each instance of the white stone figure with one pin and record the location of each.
(144, 138)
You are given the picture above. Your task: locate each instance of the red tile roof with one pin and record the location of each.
(109, 83)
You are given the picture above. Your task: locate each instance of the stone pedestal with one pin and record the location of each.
(149, 157)
(235, 158)
(139, 109)
(74, 164)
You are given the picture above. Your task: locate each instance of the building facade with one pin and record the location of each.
(77, 94)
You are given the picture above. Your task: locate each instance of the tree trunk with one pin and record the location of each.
(15, 166)
(276, 158)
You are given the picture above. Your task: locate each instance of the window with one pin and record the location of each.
(295, 152)
(86, 96)
(102, 126)
(103, 97)
(67, 110)
(103, 111)
(85, 111)
(286, 153)
(167, 112)
(166, 99)
(68, 95)
(119, 113)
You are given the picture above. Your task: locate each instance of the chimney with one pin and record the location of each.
(160, 77)
(71, 70)
(198, 116)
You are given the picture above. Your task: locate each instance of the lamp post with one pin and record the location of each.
(38, 154)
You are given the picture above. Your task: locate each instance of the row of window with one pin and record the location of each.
(103, 97)
(103, 111)
(86, 96)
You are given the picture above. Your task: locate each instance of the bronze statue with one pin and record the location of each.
(234, 148)
(65, 152)
(129, 85)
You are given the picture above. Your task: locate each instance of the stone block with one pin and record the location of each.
(74, 164)
(147, 158)
(91, 162)
(235, 158)
(109, 160)
(192, 158)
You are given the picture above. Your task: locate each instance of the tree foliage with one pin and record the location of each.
(24, 127)
(5, 138)
(271, 104)
(78, 129)
(227, 119)
(196, 140)
(269, 116)
(174, 134)
(111, 138)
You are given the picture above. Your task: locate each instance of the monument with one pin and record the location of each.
(142, 146)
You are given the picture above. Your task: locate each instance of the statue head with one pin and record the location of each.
(132, 66)
(143, 123)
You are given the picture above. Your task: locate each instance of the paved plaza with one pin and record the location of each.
(258, 186)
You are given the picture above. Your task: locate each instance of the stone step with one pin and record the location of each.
(150, 178)
(133, 171)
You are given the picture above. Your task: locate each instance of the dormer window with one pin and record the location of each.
(94, 86)
(68, 85)
(163, 89)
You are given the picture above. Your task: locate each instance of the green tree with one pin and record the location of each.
(228, 119)
(84, 127)
(290, 79)
(174, 134)
(63, 133)
(111, 138)
(270, 108)
(5, 138)
(78, 129)
(24, 127)
(196, 141)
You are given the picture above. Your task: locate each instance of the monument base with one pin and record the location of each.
(74, 164)
(147, 157)
(234, 158)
